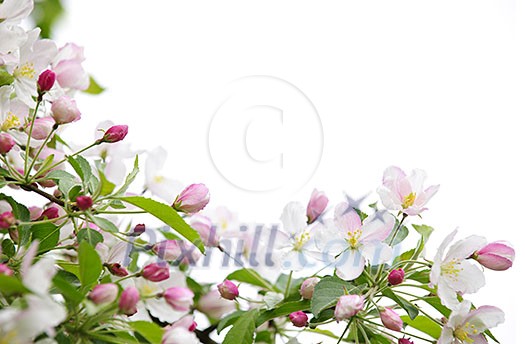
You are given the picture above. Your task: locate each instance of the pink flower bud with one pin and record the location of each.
(348, 306)
(405, 341)
(34, 213)
(299, 319)
(308, 286)
(5, 270)
(46, 80)
(391, 319)
(228, 290)
(117, 270)
(207, 231)
(167, 250)
(396, 277)
(138, 230)
(128, 301)
(7, 219)
(497, 256)
(156, 272)
(316, 205)
(49, 213)
(103, 293)
(41, 128)
(64, 110)
(115, 134)
(214, 306)
(192, 199)
(6, 143)
(84, 202)
(180, 298)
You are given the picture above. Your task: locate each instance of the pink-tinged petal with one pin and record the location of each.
(416, 179)
(413, 211)
(480, 339)
(294, 218)
(469, 279)
(402, 189)
(431, 191)
(346, 218)
(389, 199)
(376, 252)
(502, 248)
(485, 317)
(377, 227)
(447, 336)
(494, 262)
(465, 247)
(392, 173)
(458, 316)
(350, 265)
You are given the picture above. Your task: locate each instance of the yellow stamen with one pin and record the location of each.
(301, 240)
(10, 122)
(409, 200)
(158, 179)
(451, 268)
(353, 237)
(27, 70)
(464, 333)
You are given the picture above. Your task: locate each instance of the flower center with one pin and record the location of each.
(353, 237)
(158, 179)
(27, 70)
(464, 333)
(301, 240)
(409, 200)
(451, 268)
(10, 122)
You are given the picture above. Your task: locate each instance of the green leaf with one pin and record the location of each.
(65, 180)
(70, 267)
(5, 78)
(63, 282)
(46, 14)
(243, 329)
(81, 167)
(325, 315)
(424, 325)
(328, 291)
(92, 236)
(129, 178)
(435, 302)
(424, 230)
(421, 276)
(283, 310)
(90, 264)
(11, 285)
(106, 187)
(169, 216)
(104, 224)
(293, 290)
(249, 276)
(94, 88)
(47, 234)
(401, 235)
(228, 320)
(150, 331)
(8, 248)
(411, 310)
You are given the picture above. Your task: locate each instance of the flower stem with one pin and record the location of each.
(26, 160)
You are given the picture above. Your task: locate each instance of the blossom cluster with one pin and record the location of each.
(90, 264)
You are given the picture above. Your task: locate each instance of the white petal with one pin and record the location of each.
(346, 218)
(465, 247)
(350, 265)
(469, 280)
(447, 336)
(438, 258)
(378, 227)
(447, 295)
(486, 317)
(160, 309)
(38, 277)
(376, 252)
(155, 162)
(294, 218)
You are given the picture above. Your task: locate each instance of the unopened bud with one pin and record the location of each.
(228, 290)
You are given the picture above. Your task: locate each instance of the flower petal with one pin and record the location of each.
(294, 218)
(350, 265)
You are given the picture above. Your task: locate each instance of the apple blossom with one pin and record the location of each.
(114, 134)
(466, 325)
(497, 256)
(206, 230)
(360, 241)
(228, 290)
(13, 11)
(138, 230)
(348, 306)
(117, 270)
(128, 301)
(6, 143)
(84, 202)
(180, 298)
(159, 185)
(298, 319)
(308, 286)
(187, 322)
(7, 219)
(42, 127)
(405, 341)
(391, 319)
(64, 110)
(404, 193)
(214, 306)
(316, 205)
(179, 335)
(453, 273)
(5, 270)
(104, 293)
(49, 213)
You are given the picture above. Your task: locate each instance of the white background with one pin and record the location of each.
(436, 85)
